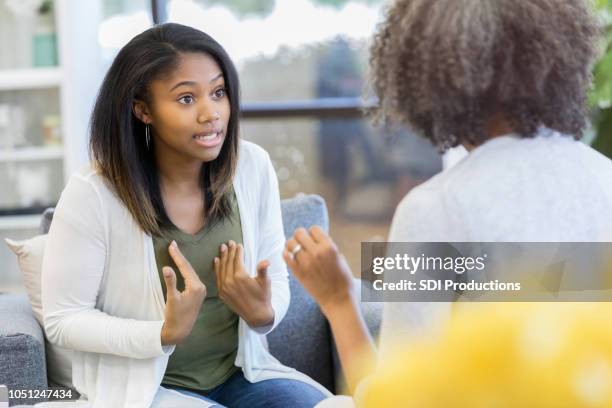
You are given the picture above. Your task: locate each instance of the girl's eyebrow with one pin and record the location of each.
(193, 83)
(186, 83)
(220, 75)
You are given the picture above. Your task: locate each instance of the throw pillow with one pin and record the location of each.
(29, 256)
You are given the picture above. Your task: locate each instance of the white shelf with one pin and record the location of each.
(18, 222)
(12, 288)
(30, 78)
(32, 153)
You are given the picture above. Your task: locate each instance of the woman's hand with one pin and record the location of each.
(325, 274)
(248, 297)
(182, 308)
(320, 268)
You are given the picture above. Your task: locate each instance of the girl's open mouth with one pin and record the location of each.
(209, 139)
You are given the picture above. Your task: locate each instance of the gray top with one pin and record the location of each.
(551, 188)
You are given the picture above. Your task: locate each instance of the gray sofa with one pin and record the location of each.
(303, 339)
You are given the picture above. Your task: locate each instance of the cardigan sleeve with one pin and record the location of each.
(272, 242)
(72, 271)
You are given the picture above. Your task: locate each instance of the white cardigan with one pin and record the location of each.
(102, 296)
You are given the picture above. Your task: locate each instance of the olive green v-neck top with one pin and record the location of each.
(206, 357)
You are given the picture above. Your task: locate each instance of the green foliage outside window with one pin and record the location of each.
(245, 7)
(601, 96)
(262, 8)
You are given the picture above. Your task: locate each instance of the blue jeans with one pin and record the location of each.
(237, 392)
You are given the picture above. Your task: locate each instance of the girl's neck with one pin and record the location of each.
(179, 177)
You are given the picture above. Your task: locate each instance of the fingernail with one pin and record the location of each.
(231, 243)
(216, 260)
(174, 245)
(223, 248)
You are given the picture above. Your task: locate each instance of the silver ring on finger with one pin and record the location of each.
(296, 249)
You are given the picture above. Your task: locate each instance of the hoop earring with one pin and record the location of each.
(148, 137)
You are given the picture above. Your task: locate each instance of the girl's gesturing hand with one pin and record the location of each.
(249, 297)
(182, 308)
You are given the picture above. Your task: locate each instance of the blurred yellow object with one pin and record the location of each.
(504, 355)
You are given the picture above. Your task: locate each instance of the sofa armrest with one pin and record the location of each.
(22, 347)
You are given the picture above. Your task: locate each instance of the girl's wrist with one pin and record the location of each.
(264, 318)
(165, 341)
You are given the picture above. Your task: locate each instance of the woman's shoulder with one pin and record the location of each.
(82, 198)
(88, 174)
(252, 158)
(251, 151)
(88, 180)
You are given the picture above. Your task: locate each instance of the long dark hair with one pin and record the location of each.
(117, 145)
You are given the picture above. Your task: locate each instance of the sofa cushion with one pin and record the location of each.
(303, 340)
(45, 222)
(22, 351)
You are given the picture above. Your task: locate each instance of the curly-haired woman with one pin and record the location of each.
(507, 80)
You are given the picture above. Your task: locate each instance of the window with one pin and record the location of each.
(304, 63)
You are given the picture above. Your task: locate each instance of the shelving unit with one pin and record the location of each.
(35, 92)
(31, 102)
(17, 222)
(30, 78)
(75, 82)
(71, 87)
(32, 154)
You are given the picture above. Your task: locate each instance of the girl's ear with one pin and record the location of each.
(141, 111)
